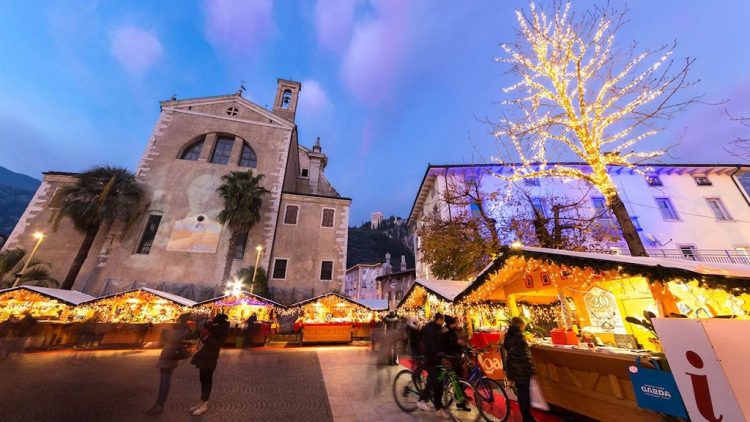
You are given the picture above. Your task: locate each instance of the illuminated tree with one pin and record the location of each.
(579, 94)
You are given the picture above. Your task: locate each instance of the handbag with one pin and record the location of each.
(537, 398)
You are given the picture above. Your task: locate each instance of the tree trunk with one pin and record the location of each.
(626, 224)
(230, 257)
(83, 253)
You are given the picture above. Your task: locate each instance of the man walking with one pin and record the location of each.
(518, 365)
(431, 335)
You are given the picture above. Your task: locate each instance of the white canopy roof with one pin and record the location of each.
(70, 297)
(373, 304)
(446, 289)
(244, 293)
(164, 295)
(698, 267)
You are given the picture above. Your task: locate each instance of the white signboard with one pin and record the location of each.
(701, 354)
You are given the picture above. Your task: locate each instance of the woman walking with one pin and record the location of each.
(518, 365)
(175, 349)
(212, 337)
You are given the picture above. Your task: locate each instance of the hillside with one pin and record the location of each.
(16, 190)
(367, 246)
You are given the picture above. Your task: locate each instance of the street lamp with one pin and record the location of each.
(259, 249)
(39, 236)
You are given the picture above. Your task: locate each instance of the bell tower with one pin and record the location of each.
(287, 95)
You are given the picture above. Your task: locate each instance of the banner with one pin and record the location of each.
(656, 390)
(704, 354)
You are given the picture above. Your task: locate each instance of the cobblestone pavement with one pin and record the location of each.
(256, 385)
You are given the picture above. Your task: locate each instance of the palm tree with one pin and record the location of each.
(243, 198)
(11, 263)
(259, 286)
(100, 196)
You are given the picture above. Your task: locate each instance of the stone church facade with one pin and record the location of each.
(177, 244)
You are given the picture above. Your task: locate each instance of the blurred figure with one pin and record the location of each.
(519, 367)
(250, 330)
(175, 349)
(141, 333)
(431, 335)
(213, 336)
(391, 337)
(414, 335)
(23, 330)
(452, 346)
(6, 337)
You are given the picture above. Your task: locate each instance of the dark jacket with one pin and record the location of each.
(208, 354)
(172, 340)
(518, 364)
(449, 344)
(431, 334)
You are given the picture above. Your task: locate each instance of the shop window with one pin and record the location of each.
(667, 210)
(193, 152)
(248, 157)
(222, 150)
(149, 234)
(718, 208)
(279, 268)
(290, 214)
(326, 270)
(328, 217)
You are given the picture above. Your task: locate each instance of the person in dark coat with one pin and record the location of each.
(250, 330)
(213, 335)
(519, 367)
(174, 349)
(431, 335)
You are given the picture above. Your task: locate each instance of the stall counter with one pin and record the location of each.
(593, 383)
(326, 332)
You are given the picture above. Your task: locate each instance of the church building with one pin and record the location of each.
(177, 244)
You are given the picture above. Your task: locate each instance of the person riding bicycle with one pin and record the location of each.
(452, 347)
(431, 336)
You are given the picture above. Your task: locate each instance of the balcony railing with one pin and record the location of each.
(718, 256)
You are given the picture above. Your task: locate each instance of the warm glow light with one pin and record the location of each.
(516, 244)
(38, 235)
(259, 248)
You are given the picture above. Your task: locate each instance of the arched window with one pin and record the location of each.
(222, 150)
(286, 99)
(193, 152)
(248, 158)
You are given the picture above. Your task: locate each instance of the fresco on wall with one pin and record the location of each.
(197, 234)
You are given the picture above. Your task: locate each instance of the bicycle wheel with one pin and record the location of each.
(405, 392)
(492, 400)
(420, 378)
(459, 401)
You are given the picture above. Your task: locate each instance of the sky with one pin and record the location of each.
(388, 85)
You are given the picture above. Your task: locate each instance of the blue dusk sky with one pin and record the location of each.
(388, 85)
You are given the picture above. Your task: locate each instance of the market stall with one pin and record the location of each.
(425, 298)
(52, 308)
(239, 308)
(331, 318)
(364, 331)
(600, 307)
(133, 317)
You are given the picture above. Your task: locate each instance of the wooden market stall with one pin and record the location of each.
(331, 318)
(601, 306)
(239, 308)
(427, 297)
(379, 306)
(134, 316)
(54, 309)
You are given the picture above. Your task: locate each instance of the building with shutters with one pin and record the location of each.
(177, 244)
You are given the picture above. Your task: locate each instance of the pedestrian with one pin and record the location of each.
(24, 329)
(414, 335)
(212, 337)
(174, 340)
(433, 389)
(6, 337)
(519, 367)
(250, 329)
(452, 347)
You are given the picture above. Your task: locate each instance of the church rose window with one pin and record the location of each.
(222, 150)
(248, 158)
(193, 152)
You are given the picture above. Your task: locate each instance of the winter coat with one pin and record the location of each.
(431, 334)
(173, 340)
(449, 343)
(208, 354)
(518, 364)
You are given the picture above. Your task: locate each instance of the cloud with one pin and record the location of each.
(135, 48)
(371, 63)
(237, 25)
(333, 23)
(313, 99)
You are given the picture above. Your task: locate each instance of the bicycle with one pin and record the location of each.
(492, 400)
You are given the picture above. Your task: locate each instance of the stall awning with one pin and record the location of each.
(313, 299)
(244, 294)
(179, 300)
(447, 290)
(69, 297)
(728, 276)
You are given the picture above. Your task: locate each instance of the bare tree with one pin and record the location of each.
(578, 93)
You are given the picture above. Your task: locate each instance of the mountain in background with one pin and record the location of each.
(16, 190)
(369, 246)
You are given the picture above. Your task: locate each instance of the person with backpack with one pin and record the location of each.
(175, 349)
(212, 337)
